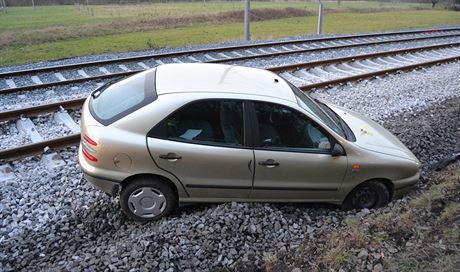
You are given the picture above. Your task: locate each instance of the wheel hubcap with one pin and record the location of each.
(365, 198)
(147, 202)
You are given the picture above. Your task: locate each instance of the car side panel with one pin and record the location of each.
(121, 152)
(375, 166)
(307, 176)
(206, 171)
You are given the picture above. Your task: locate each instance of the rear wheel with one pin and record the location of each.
(146, 199)
(369, 195)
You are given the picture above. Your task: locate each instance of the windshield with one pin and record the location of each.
(316, 110)
(114, 101)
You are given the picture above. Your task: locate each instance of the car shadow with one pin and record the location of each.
(189, 208)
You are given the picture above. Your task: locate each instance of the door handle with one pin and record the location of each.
(170, 157)
(270, 163)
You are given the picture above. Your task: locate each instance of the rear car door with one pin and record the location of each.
(293, 159)
(203, 145)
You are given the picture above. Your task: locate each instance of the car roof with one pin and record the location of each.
(219, 78)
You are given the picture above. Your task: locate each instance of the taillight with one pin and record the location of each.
(89, 140)
(88, 156)
(87, 150)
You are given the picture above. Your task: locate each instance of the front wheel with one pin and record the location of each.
(369, 195)
(147, 199)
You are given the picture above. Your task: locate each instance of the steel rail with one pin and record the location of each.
(290, 67)
(71, 140)
(267, 55)
(76, 103)
(338, 81)
(35, 110)
(37, 148)
(235, 47)
(226, 48)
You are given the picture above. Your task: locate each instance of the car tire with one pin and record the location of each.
(370, 195)
(147, 199)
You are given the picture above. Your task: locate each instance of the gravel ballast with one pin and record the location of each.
(89, 58)
(340, 53)
(67, 92)
(407, 92)
(45, 96)
(10, 136)
(52, 219)
(49, 128)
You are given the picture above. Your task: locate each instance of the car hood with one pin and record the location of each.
(372, 136)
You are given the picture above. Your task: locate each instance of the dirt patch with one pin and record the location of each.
(60, 33)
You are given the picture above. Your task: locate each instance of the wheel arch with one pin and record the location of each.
(160, 178)
(385, 181)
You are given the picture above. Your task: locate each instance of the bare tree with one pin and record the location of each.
(433, 3)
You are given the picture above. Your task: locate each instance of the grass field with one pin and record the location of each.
(22, 18)
(50, 37)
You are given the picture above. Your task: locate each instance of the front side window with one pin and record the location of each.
(308, 104)
(283, 128)
(207, 122)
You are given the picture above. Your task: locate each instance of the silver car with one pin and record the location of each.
(217, 133)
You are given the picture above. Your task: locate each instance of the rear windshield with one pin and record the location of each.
(113, 101)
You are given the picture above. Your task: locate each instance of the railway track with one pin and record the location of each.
(31, 79)
(308, 76)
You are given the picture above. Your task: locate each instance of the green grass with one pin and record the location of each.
(201, 34)
(22, 18)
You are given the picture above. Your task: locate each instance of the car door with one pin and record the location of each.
(293, 156)
(203, 145)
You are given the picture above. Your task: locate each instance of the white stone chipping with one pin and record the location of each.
(52, 161)
(10, 83)
(104, 70)
(124, 68)
(143, 65)
(36, 80)
(6, 173)
(82, 73)
(27, 127)
(59, 76)
(66, 119)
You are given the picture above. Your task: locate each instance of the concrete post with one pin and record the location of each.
(247, 20)
(320, 17)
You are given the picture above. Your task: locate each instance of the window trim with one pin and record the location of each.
(298, 94)
(150, 95)
(256, 137)
(247, 135)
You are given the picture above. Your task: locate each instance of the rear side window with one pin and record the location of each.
(114, 101)
(214, 122)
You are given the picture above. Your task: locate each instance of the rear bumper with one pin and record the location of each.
(403, 186)
(105, 180)
(108, 186)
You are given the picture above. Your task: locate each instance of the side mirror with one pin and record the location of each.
(337, 150)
